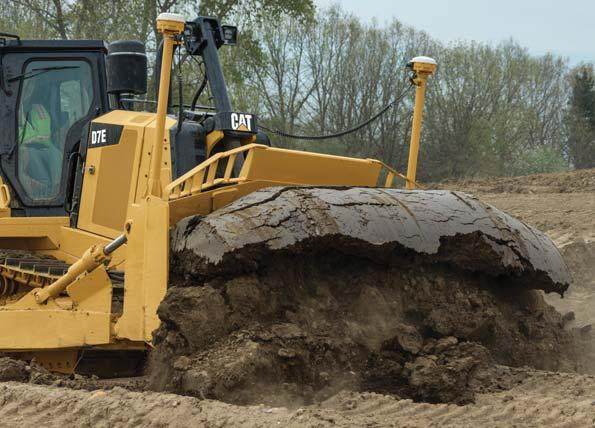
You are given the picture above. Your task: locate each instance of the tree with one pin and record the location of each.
(494, 110)
(581, 117)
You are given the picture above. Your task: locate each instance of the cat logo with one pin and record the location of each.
(241, 119)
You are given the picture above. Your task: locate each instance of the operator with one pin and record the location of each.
(39, 160)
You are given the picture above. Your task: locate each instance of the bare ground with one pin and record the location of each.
(537, 399)
(562, 205)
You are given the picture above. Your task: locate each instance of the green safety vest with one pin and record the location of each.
(39, 159)
(37, 127)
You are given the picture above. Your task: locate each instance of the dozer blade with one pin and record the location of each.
(443, 226)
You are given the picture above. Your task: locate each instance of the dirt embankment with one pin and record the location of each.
(561, 205)
(581, 181)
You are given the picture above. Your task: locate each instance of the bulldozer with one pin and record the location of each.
(92, 187)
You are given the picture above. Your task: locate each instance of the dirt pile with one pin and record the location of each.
(287, 296)
(579, 181)
(350, 325)
(578, 304)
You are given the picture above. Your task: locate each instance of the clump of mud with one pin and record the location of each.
(13, 370)
(290, 295)
(18, 370)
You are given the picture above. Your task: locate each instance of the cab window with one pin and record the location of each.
(54, 95)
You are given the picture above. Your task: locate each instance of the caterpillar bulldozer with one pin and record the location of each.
(91, 188)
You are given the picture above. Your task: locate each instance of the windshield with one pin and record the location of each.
(54, 95)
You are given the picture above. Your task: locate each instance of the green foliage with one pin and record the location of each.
(538, 160)
(490, 104)
(254, 12)
(580, 119)
(18, 18)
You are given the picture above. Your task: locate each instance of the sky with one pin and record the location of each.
(563, 27)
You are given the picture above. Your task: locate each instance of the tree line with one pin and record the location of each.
(490, 109)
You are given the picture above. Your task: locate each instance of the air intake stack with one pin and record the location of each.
(126, 68)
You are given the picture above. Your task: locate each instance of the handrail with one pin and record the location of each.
(202, 176)
(392, 173)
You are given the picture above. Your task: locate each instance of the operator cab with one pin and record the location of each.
(49, 92)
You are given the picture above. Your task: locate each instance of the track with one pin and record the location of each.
(20, 271)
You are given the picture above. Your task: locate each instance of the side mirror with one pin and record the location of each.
(230, 34)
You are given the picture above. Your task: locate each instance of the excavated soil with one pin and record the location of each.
(348, 324)
(342, 336)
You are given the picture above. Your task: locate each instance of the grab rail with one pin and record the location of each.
(204, 177)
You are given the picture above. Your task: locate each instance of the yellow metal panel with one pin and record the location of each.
(108, 191)
(62, 361)
(280, 166)
(145, 162)
(26, 325)
(51, 329)
(74, 243)
(212, 139)
(204, 203)
(4, 199)
(31, 233)
(31, 226)
(113, 182)
(125, 117)
(147, 269)
(303, 168)
(224, 196)
(92, 291)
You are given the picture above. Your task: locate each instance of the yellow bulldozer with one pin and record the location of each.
(91, 189)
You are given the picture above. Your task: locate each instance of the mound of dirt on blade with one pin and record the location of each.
(299, 330)
(296, 313)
